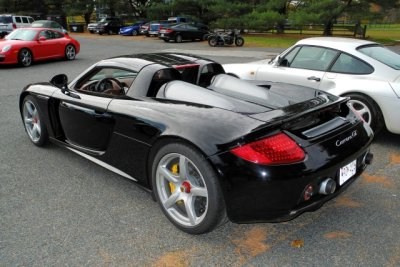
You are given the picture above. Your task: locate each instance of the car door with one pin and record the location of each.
(303, 65)
(84, 120)
(48, 44)
(83, 111)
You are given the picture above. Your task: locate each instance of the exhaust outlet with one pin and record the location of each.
(327, 187)
(368, 158)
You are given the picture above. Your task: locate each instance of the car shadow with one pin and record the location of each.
(387, 138)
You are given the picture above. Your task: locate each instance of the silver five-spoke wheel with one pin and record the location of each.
(70, 52)
(187, 188)
(25, 57)
(362, 110)
(182, 189)
(368, 110)
(32, 121)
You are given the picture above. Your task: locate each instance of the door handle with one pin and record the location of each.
(313, 78)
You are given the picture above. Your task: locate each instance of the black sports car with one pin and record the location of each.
(229, 150)
(184, 31)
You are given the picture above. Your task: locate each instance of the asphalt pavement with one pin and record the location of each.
(59, 209)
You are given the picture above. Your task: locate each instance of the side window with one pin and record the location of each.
(107, 81)
(56, 35)
(17, 19)
(183, 20)
(47, 34)
(313, 58)
(25, 20)
(349, 64)
(31, 20)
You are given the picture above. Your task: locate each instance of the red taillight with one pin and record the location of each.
(276, 149)
(14, 26)
(168, 31)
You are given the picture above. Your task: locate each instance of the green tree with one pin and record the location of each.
(328, 11)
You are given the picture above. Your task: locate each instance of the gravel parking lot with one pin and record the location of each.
(57, 208)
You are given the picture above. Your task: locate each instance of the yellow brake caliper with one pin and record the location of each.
(175, 171)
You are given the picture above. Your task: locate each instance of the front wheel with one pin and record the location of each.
(33, 121)
(212, 41)
(134, 33)
(70, 52)
(187, 189)
(368, 110)
(239, 41)
(25, 57)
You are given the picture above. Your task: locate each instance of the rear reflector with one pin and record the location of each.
(276, 149)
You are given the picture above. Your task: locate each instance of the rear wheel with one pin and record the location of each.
(368, 110)
(134, 33)
(212, 41)
(178, 38)
(25, 57)
(239, 41)
(33, 121)
(187, 189)
(70, 52)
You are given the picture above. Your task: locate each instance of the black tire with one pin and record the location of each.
(25, 57)
(371, 112)
(33, 121)
(212, 41)
(239, 41)
(110, 32)
(70, 52)
(91, 32)
(134, 33)
(101, 33)
(178, 38)
(166, 40)
(213, 213)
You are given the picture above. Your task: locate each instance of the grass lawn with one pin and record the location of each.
(385, 35)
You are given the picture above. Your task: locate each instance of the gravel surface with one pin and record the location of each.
(57, 208)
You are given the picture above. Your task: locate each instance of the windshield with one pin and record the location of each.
(5, 19)
(382, 54)
(22, 34)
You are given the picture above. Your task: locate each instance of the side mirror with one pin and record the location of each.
(60, 81)
(42, 38)
(283, 62)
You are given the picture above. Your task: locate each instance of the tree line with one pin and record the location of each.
(251, 14)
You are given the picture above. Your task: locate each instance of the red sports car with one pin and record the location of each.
(23, 46)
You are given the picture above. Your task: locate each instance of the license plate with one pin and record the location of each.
(162, 35)
(347, 172)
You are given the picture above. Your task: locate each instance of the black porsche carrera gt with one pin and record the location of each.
(225, 149)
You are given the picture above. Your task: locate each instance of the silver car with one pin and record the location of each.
(365, 71)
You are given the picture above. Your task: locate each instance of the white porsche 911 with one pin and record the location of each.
(365, 71)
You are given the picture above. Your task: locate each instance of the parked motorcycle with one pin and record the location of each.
(226, 38)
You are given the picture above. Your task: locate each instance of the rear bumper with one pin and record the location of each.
(260, 193)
